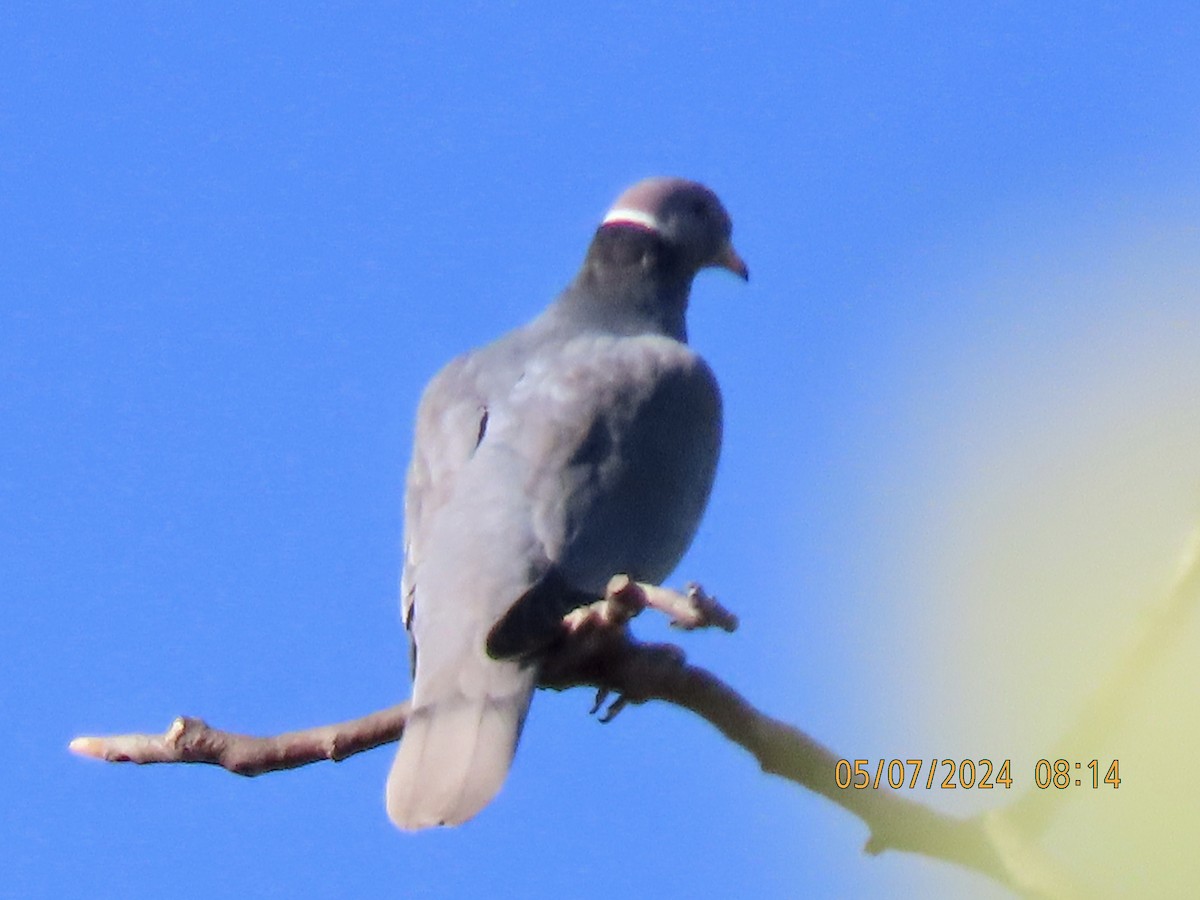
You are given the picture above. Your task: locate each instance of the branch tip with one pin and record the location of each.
(87, 746)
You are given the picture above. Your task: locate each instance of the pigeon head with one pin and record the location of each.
(638, 271)
(686, 216)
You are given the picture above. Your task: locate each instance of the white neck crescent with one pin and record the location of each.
(631, 217)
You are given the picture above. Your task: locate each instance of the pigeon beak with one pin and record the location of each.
(728, 259)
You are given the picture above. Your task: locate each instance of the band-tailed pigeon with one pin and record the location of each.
(577, 447)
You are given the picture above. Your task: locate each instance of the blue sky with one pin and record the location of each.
(960, 389)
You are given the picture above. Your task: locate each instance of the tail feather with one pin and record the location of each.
(453, 758)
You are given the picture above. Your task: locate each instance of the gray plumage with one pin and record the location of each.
(577, 447)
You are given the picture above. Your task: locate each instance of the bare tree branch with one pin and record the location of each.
(596, 654)
(190, 740)
(596, 650)
(614, 662)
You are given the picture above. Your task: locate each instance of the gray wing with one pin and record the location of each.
(451, 418)
(601, 449)
(538, 472)
(620, 466)
(468, 708)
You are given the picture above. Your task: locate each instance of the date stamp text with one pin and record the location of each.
(972, 774)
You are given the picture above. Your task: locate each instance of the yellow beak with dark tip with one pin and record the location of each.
(728, 259)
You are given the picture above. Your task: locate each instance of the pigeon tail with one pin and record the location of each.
(455, 754)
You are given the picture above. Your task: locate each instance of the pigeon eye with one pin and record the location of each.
(700, 209)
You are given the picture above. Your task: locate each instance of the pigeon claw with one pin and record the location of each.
(614, 709)
(601, 696)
